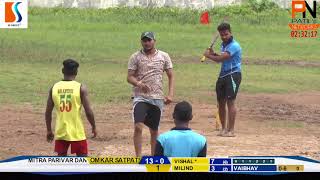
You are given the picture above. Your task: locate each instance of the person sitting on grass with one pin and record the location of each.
(181, 141)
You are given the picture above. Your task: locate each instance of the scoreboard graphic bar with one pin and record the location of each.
(244, 164)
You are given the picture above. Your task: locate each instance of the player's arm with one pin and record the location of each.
(87, 108)
(48, 116)
(203, 152)
(133, 80)
(169, 98)
(216, 57)
(159, 149)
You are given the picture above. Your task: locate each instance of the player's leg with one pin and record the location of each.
(153, 140)
(153, 121)
(232, 89)
(221, 98)
(222, 115)
(80, 148)
(139, 115)
(61, 147)
(232, 111)
(137, 138)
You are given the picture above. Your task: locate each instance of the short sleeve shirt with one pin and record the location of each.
(233, 64)
(149, 70)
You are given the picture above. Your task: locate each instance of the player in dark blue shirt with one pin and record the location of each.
(181, 141)
(229, 80)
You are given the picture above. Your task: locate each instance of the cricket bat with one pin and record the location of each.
(218, 122)
(214, 40)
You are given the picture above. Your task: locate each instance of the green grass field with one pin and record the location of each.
(103, 40)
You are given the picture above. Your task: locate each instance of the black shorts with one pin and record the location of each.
(148, 114)
(227, 87)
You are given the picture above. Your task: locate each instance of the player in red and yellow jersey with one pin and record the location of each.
(67, 97)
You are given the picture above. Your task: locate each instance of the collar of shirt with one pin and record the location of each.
(176, 128)
(155, 53)
(226, 44)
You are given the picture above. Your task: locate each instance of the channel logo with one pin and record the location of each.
(14, 14)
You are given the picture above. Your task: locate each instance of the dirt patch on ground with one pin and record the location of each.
(298, 63)
(267, 124)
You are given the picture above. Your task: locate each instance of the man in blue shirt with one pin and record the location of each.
(229, 80)
(181, 141)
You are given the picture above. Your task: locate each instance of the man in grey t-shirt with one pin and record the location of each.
(145, 73)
